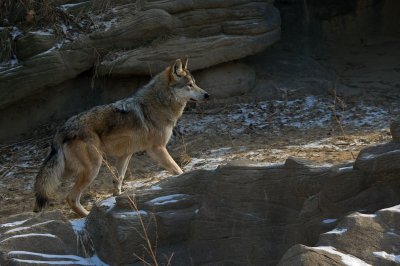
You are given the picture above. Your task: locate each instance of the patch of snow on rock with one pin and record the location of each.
(13, 224)
(337, 231)
(346, 258)
(78, 225)
(109, 203)
(167, 199)
(329, 221)
(63, 259)
(386, 256)
(393, 209)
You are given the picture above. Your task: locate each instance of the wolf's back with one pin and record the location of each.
(48, 178)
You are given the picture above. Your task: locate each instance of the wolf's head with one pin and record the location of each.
(183, 83)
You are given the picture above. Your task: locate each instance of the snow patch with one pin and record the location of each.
(329, 221)
(15, 32)
(392, 209)
(65, 7)
(64, 259)
(42, 33)
(309, 112)
(345, 169)
(337, 231)
(28, 235)
(346, 258)
(131, 214)
(387, 256)
(366, 215)
(167, 199)
(155, 187)
(78, 225)
(12, 224)
(392, 233)
(27, 227)
(109, 203)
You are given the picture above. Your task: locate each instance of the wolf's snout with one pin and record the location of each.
(206, 95)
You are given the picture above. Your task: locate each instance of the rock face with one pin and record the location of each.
(227, 80)
(48, 237)
(253, 215)
(281, 74)
(291, 214)
(128, 39)
(313, 26)
(359, 239)
(144, 38)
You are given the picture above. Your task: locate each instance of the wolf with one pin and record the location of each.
(141, 122)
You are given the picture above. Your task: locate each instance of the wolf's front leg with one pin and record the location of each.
(121, 166)
(161, 155)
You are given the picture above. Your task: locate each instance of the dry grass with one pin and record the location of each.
(7, 46)
(149, 246)
(29, 15)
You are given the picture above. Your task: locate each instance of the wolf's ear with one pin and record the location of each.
(185, 62)
(177, 69)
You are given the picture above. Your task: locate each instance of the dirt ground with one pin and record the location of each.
(262, 133)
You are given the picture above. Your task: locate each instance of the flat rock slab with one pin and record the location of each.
(32, 237)
(379, 158)
(252, 215)
(359, 239)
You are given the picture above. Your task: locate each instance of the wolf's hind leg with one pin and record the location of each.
(121, 165)
(161, 155)
(89, 161)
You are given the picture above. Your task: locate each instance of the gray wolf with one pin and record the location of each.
(142, 122)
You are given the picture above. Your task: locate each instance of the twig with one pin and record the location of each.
(337, 119)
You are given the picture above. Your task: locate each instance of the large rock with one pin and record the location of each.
(143, 38)
(45, 69)
(247, 215)
(282, 74)
(379, 158)
(203, 52)
(208, 216)
(34, 43)
(226, 80)
(236, 214)
(32, 238)
(359, 239)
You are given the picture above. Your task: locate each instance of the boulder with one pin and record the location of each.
(359, 239)
(304, 255)
(240, 214)
(294, 213)
(282, 74)
(34, 43)
(142, 38)
(45, 69)
(226, 80)
(202, 52)
(379, 158)
(38, 238)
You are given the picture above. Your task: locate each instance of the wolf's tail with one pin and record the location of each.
(48, 178)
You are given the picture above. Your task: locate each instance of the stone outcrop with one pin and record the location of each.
(227, 80)
(253, 215)
(359, 239)
(142, 39)
(32, 238)
(108, 42)
(292, 214)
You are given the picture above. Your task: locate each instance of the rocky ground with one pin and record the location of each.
(321, 129)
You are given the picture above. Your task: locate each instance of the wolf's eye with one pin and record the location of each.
(190, 85)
